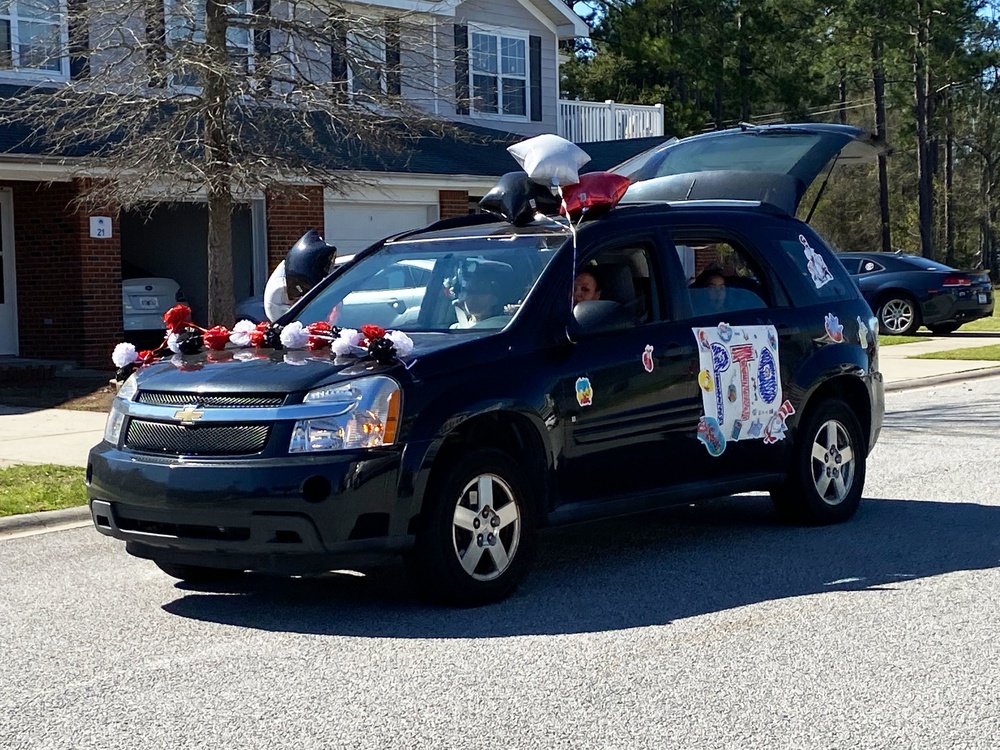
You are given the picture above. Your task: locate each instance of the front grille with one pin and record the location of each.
(203, 440)
(213, 400)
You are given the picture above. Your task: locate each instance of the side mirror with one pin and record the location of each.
(596, 316)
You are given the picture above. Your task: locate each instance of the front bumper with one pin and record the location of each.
(291, 515)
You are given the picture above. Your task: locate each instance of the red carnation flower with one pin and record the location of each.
(216, 338)
(257, 337)
(262, 326)
(316, 342)
(319, 326)
(373, 332)
(177, 318)
(146, 356)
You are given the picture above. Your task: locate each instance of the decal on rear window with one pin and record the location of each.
(740, 385)
(814, 262)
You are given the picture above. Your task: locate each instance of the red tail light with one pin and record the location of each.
(956, 281)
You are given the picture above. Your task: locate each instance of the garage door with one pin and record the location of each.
(354, 226)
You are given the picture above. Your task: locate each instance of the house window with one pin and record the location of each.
(498, 73)
(31, 35)
(366, 64)
(186, 25)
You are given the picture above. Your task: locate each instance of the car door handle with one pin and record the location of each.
(397, 304)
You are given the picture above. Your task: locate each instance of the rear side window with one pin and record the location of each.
(722, 276)
(869, 266)
(819, 274)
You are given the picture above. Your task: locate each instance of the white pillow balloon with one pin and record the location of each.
(549, 159)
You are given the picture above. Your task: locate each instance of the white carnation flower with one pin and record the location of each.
(124, 354)
(351, 336)
(294, 336)
(402, 342)
(240, 335)
(173, 343)
(340, 347)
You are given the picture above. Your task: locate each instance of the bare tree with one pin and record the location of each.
(226, 99)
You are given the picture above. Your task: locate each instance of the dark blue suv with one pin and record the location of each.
(725, 349)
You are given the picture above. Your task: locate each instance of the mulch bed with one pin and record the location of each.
(80, 393)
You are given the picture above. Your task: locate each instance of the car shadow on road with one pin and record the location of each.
(637, 571)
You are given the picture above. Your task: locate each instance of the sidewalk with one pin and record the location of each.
(900, 371)
(62, 436)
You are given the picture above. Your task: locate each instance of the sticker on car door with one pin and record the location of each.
(739, 382)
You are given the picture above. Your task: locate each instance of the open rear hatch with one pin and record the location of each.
(773, 164)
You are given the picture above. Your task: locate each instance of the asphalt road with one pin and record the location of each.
(707, 627)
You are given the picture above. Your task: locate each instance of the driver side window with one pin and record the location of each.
(620, 275)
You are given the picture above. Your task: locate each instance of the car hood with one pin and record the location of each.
(262, 371)
(774, 164)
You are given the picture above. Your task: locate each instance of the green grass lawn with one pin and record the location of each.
(25, 489)
(976, 352)
(890, 340)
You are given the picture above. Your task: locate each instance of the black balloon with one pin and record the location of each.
(189, 342)
(517, 199)
(272, 336)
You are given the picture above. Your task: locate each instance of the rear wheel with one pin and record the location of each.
(943, 329)
(477, 535)
(198, 573)
(898, 315)
(824, 486)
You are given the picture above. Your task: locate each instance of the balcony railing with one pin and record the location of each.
(585, 122)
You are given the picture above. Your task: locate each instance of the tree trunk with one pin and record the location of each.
(949, 181)
(878, 78)
(925, 176)
(218, 169)
(842, 88)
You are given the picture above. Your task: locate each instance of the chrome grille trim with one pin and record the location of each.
(203, 440)
(211, 400)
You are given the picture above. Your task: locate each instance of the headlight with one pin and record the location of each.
(113, 427)
(128, 389)
(361, 414)
(116, 417)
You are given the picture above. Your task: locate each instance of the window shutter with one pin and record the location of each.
(393, 81)
(79, 40)
(338, 56)
(262, 48)
(535, 76)
(156, 39)
(262, 37)
(461, 69)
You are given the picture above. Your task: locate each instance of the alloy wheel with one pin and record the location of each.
(897, 315)
(833, 462)
(486, 527)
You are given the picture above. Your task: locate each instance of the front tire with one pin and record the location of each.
(478, 531)
(825, 483)
(199, 574)
(898, 315)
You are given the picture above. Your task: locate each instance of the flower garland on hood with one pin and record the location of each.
(183, 336)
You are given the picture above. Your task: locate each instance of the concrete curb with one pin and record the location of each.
(45, 519)
(951, 377)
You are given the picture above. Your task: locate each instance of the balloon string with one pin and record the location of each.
(572, 231)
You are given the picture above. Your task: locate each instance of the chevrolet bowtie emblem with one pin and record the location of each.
(188, 415)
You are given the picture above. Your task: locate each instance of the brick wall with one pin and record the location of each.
(453, 203)
(68, 284)
(289, 216)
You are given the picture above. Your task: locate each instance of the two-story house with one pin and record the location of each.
(495, 67)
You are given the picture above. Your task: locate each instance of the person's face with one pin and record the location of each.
(479, 300)
(585, 288)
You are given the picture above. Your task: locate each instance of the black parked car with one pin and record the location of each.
(907, 291)
(515, 409)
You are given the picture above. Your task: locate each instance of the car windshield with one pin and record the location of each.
(437, 284)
